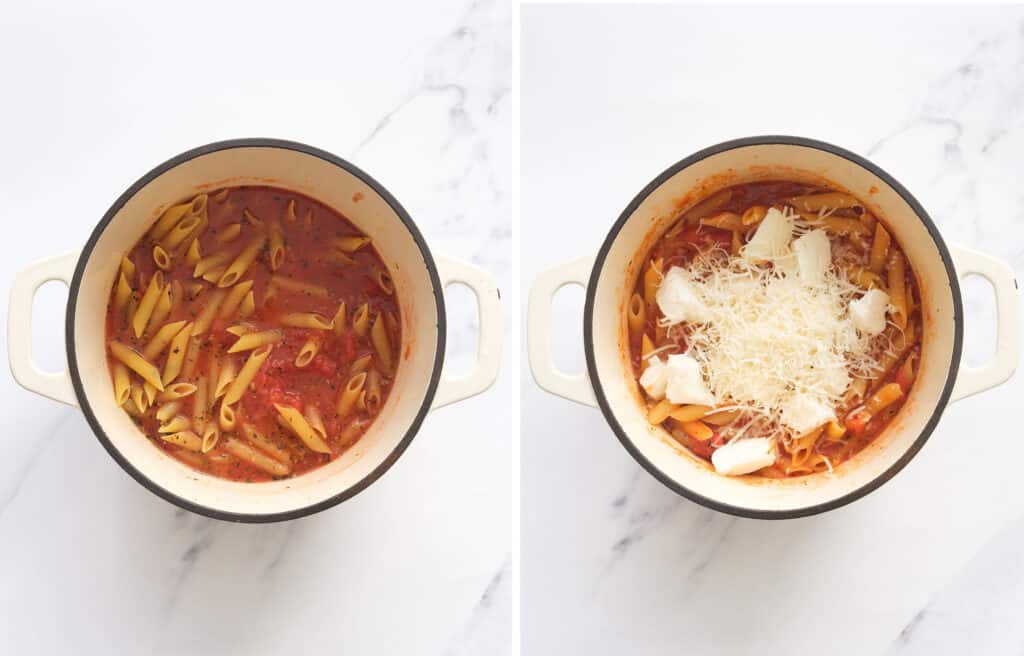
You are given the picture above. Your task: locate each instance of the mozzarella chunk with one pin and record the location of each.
(655, 378)
(771, 239)
(679, 298)
(804, 413)
(813, 256)
(868, 311)
(743, 456)
(685, 383)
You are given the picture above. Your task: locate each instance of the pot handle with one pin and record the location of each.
(971, 380)
(489, 348)
(56, 386)
(538, 331)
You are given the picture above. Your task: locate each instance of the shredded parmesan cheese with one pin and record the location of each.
(777, 336)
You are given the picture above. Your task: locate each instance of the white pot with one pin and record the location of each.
(609, 278)
(419, 283)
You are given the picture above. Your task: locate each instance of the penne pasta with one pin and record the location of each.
(150, 392)
(307, 220)
(240, 329)
(122, 383)
(148, 303)
(897, 289)
(228, 233)
(352, 432)
(225, 377)
(185, 439)
(351, 244)
(174, 214)
(176, 424)
(211, 435)
(263, 443)
(381, 343)
(176, 354)
(384, 282)
(339, 319)
(307, 352)
(248, 306)
(636, 315)
(180, 232)
(138, 398)
(241, 382)
(289, 211)
(721, 417)
(175, 392)
(361, 320)
(251, 218)
(652, 278)
(222, 195)
(127, 267)
(350, 394)
(193, 254)
(122, 292)
(299, 287)
(210, 263)
(241, 264)
(879, 249)
(140, 365)
(372, 399)
(315, 422)
(209, 311)
(226, 418)
(753, 215)
(200, 404)
(301, 428)
(161, 311)
(250, 455)
(233, 301)
(192, 352)
(250, 341)
(362, 363)
(161, 258)
(307, 320)
(828, 201)
(276, 246)
(167, 411)
(724, 221)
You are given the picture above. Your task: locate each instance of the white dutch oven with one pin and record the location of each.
(609, 278)
(419, 277)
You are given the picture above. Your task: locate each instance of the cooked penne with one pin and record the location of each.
(185, 439)
(289, 211)
(194, 289)
(384, 281)
(840, 225)
(127, 267)
(225, 377)
(897, 289)
(180, 232)
(753, 215)
(362, 363)
(210, 263)
(241, 382)
(724, 221)
(351, 244)
(307, 320)
(122, 383)
(176, 354)
(248, 306)
(301, 428)
(233, 301)
(150, 392)
(240, 328)
(361, 320)
(176, 424)
(260, 441)
(192, 352)
(209, 311)
(686, 413)
(353, 431)
(148, 303)
(866, 279)
(241, 264)
(835, 430)
(828, 201)
(698, 430)
(214, 275)
(350, 394)
(879, 249)
(200, 404)
(721, 417)
(381, 343)
(174, 214)
(885, 396)
(140, 365)
(372, 399)
(226, 418)
(122, 292)
(175, 392)
(339, 320)
(307, 352)
(636, 315)
(307, 220)
(250, 341)
(161, 258)
(138, 398)
(211, 435)
(652, 278)
(276, 246)
(160, 311)
(315, 422)
(243, 451)
(222, 195)
(299, 287)
(193, 255)
(167, 411)
(228, 233)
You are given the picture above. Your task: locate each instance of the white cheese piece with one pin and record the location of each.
(679, 299)
(813, 255)
(685, 384)
(743, 456)
(771, 239)
(654, 378)
(803, 413)
(868, 311)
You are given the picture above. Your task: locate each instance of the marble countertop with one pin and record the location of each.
(425, 561)
(615, 563)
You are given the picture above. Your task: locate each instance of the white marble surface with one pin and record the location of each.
(423, 562)
(615, 563)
